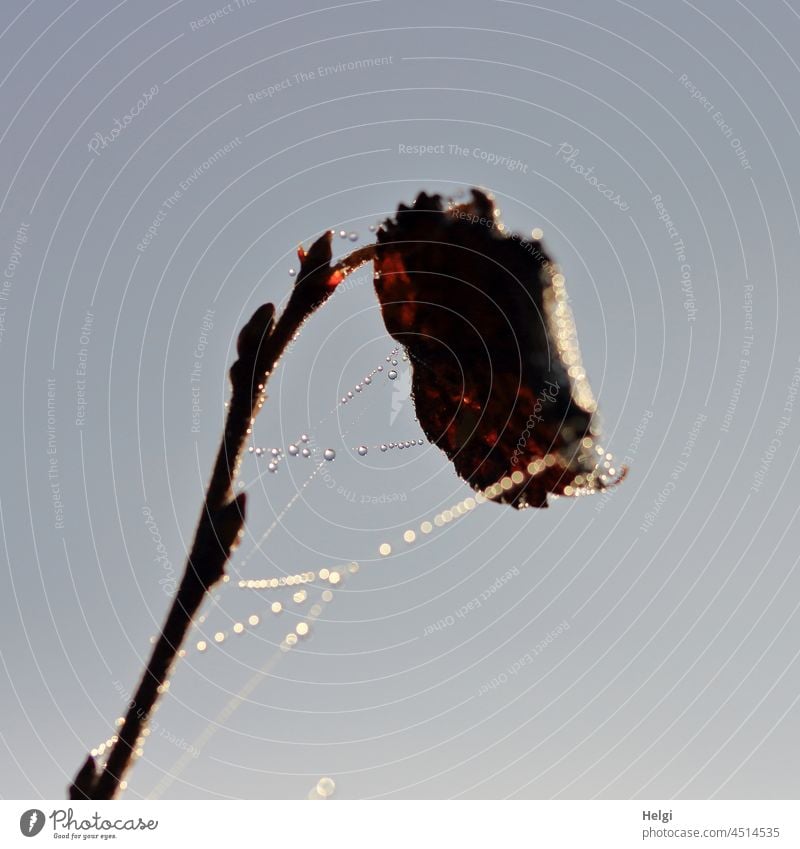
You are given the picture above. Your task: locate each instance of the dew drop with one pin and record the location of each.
(259, 452)
(380, 368)
(394, 362)
(368, 380)
(358, 387)
(273, 467)
(353, 236)
(344, 399)
(305, 452)
(326, 787)
(329, 454)
(343, 234)
(362, 450)
(292, 272)
(304, 437)
(392, 374)
(250, 450)
(293, 449)
(383, 447)
(349, 394)
(275, 452)
(372, 228)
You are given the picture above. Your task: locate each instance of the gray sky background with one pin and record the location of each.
(652, 634)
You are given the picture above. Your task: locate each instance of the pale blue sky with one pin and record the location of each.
(677, 674)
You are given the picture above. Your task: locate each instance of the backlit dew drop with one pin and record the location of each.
(362, 450)
(302, 628)
(409, 536)
(276, 607)
(392, 374)
(293, 450)
(385, 549)
(300, 596)
(253, 620)
(343, 234)
(202, 645)
(326, 787)
(219, 637)
(250, 450)
(327, 595)
(329, 454)
(259, 452)
(353, 236)
(238, 628)
(291, 639)
(334, 578)
(306, 452)
(537, 233)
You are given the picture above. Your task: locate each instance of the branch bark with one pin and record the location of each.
(260, 345)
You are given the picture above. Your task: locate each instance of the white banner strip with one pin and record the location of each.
(405, 824)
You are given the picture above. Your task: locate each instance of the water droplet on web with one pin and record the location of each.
(343, 234)
(368, 380)
(304, 437)
(259, 452)
(329, 454)
(326, 787)
(250, 450)
(394, 362)
(372, 228)
(383, 447)
(353, 237)
(292, 272)
(273, 467)
(306, 452)
(275, 452)
(380, 368)
(344, 399)
(392, 374)
(362, 450)
(358, 387)
(293, 450)
(349, 394)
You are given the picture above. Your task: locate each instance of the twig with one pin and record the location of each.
(260, 345)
